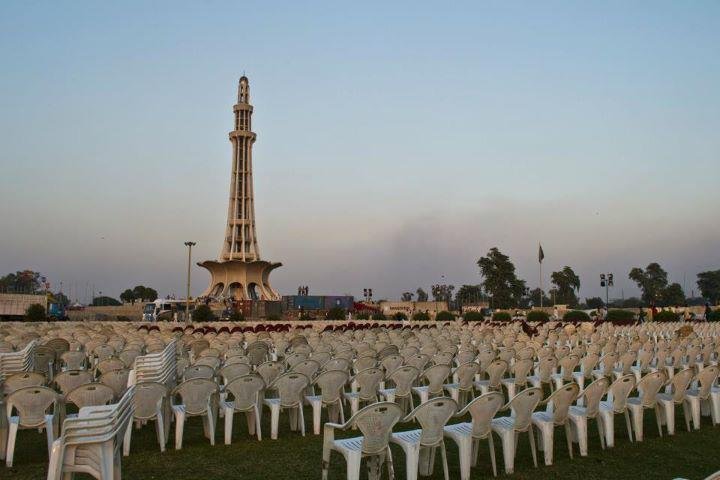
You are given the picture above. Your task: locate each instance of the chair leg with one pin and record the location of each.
(160, 429)
(669, 415)
(12, 436)
(179, 427)
(532, 445)
(390, 466)
(274, 420)
(326, 461)
(126, 441)
(508, 443)
(301, 419)
(628, 425)
(444, 460)
(317, 411)
(258, 430)
(229, 414)
(491, 445)
(568, 437)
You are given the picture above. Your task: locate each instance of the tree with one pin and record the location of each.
(672, 295)
(442, 293)
(533, 299)
(407, 297)
(145, 294)
(594, 302)
(105, 301)
(422, 295)
(128, 296)
(25, 281)
(202, 313)
(35, 313)
(567, 283)
(336, 313)
(709, 285)
(652, 281)
(469, 294)
(499, 279)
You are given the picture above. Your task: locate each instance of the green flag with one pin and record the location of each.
(541, 254)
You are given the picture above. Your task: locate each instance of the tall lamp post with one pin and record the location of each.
(187, 298)
(607, 281)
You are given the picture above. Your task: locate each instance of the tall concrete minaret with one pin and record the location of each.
(240, 237)
(239, 272)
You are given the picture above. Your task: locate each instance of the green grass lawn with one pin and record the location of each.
(692, 455)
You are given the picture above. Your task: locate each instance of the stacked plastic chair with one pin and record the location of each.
(10, 364)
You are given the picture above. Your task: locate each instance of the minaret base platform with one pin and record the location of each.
(240, 280)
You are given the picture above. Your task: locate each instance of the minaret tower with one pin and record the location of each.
(240, 238)
(239, 272)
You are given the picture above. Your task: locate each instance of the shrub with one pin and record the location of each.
(336, 313)
(35, 313)
(444, 316)
(576, 316)
(620, 317)
(537, 316)
(501, 317)
(421, 316)
(274, 318)
(399, 316)
(203, 313)
(379, 316)
(473, 317)
(363, 316)
(236, 317)
(666, 316)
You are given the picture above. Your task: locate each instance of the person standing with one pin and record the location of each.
(708, 311)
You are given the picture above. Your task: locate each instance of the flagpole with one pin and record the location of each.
(541, 278)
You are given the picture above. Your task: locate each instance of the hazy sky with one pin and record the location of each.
(397, 141)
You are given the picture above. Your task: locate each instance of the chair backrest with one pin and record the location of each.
(593, 394)
(376, 422)
(73, 360)
(561, 400)
(608, 363)
(706, 378)
(22, 380)
(147, 397)
(68, 381)
(233, 371)
(290, 387)
(363, 363)
(404, 377)
(269, 371)
(546, 367)
(419, 360)
(495, 372)
(209, 361)
(588, 363)
(482, 410)
(90, 395)
(109, 364)
(680, 382)
(369, 381)
(331, 383)
(620, 390)
(567, 365)
(31, 404)
(466, 374)
(522, 369)
(523, 405)
(198, 371)
(337, 363)
(295, 358)
(433, 415)
(391, 363)
(195, 394)
(436, 376)
(245, 391)
(626, 361)
(117, 380)
(649, 386)
(309, 368)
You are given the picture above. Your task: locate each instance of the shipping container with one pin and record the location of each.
(306, 302)
(266, 308)
(345, 302)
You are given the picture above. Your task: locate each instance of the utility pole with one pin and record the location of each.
(187, 298)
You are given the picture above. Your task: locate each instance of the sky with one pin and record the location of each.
(397, 141)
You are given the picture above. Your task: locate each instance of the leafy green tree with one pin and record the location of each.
(335, 313)
(105, 301)
(203, 313)
(533, 298)
(35, 313)
(61, 299)
(672, 295)
(399, 316)
(422, 295)
(420, 316)
(567, 283)
(128, 296)
(444, 316)
(469, 294)
(709, 285)
(500, 280)
(442, 293)
(651, 281)
(25, 281)
(379, 316)
(594, 302)
(145, 294)
(407, 296)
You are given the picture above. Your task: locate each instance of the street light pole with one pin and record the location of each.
(187, 298)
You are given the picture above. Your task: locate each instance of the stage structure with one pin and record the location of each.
(239, 272)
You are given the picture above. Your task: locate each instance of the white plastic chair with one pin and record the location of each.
(467, 435)
(244, 396)
(290, 387)
(558, 405)
(420, 445)
(667, 401)
(616, 403)
(331, 383)
(705, 397)
(375, 422)
(590, 408)
(151, 403)
(31, 408)
(648, 388)
(199, 397)
(508, 428)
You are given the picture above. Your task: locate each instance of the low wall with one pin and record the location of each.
(128, 311)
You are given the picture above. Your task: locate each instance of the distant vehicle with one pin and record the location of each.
(163, 310)
(14, 305)
(56, 311)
